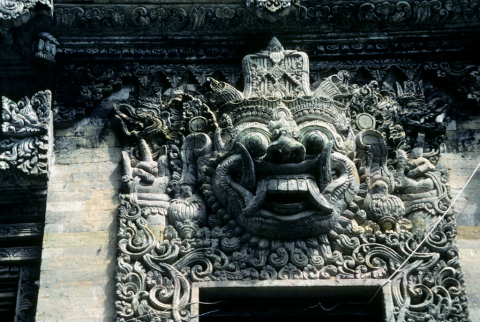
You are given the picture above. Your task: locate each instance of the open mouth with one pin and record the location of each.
(283, 193)
(291, 195)
(285, 200)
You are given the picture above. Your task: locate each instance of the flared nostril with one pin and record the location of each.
(297, 154)
(285, 150)
(278, 154)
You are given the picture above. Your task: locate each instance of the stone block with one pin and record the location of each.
(470, 233)
(65, 144)
(94, 238)
(48, 253)
(83, 275)
(50, 278)
(90, 156)
(86, 226)
(54, 228)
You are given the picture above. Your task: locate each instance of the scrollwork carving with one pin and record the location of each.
(272, 14)
(285, 181)
(25, 137)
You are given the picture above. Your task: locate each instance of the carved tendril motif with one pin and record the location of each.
(260, 185)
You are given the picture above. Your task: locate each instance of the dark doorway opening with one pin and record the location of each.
(278, 304)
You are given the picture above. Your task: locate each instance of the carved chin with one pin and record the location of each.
(287, 202)
(306, 224)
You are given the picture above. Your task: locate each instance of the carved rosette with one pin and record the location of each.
(25, 137)
(272, 10)
(282, 181)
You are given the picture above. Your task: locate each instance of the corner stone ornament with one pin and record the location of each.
(25, 138)
(285, 181)
(19, 12)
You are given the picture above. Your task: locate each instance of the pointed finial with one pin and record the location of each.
(276, 50)
(275, 45)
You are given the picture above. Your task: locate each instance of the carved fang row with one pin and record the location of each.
(288, 184)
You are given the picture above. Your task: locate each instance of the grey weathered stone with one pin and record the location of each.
(265, 184)
(97, 54)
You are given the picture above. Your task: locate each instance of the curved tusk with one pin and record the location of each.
(248, 168)
(324, 167)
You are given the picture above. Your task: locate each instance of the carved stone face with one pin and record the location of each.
(285, 181)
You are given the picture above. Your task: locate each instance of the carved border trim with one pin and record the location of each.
(171, 18)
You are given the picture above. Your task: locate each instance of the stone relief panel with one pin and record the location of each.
(80, 87)
(286, 181)
(25, 138)
(271, 14)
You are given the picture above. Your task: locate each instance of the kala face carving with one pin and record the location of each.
(281, 181)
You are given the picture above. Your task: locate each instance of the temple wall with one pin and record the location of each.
(463, 142)
(406, 68)
(79, 249)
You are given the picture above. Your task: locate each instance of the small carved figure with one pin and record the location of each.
(419, 187)
(146, 180)
(44, 49)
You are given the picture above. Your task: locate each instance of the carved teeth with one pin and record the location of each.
(302, 185)
(288, 184)
(282, 186)
(304, 220)
(272, 185)
(294, 184)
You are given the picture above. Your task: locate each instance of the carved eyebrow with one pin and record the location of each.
(249, 125)
(316, 123)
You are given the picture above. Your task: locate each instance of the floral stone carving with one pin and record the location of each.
(19, 12)
(272, 10)
(284, 181)
(25, 137)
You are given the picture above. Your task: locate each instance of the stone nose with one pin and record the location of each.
(285, 150)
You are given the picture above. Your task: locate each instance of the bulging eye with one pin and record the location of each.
(314, 141)
(256, 143)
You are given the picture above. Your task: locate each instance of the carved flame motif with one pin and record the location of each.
(281, 181)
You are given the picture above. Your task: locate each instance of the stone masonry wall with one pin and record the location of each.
(463, 141)
(79, 250)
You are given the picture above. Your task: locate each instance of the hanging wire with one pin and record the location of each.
(209, 312)
(426, 236)
(319, 304)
